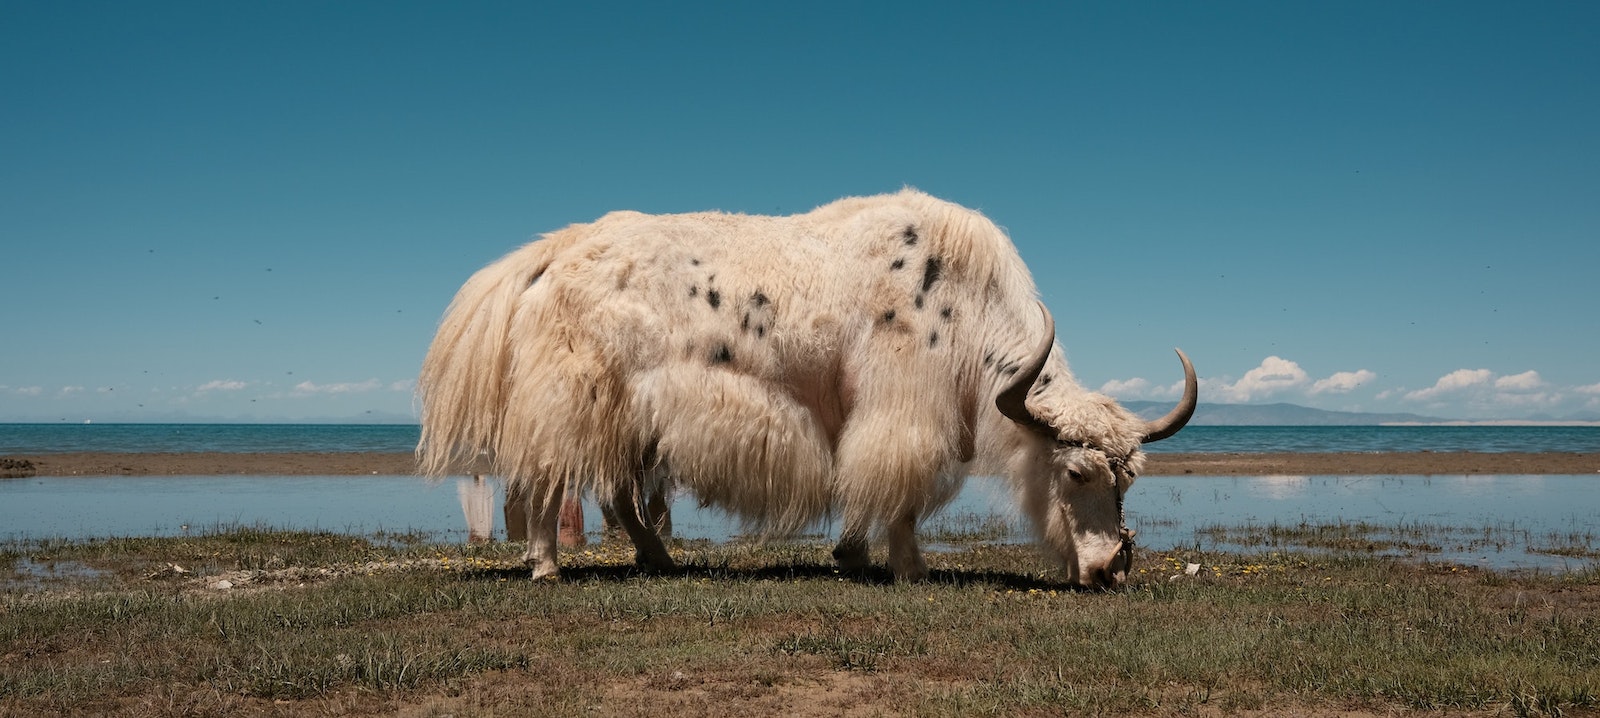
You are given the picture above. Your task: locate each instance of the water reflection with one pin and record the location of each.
(1169, 512)
(1284, 487)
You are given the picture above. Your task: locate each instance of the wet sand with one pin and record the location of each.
(400, 463)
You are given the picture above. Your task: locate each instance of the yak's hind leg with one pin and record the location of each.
(542, 511)
(650, 554)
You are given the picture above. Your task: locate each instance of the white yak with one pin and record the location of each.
(857, 361)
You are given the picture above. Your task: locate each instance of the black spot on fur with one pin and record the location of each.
(888, 316)
(898, 263)
(761, 331)
(930, 272)
(723, 355)
(910, 235)
(714, 298)
(933, 339)
(694, 292)
(988, 359)
(1009, 370)
(945, 313)
(759, 299)
(1044, 380)
(918, 301)
(694, 261)
(744, 324)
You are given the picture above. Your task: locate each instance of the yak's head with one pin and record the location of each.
(1085, 460)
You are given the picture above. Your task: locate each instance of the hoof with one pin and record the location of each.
(911, 576)
(851, 558)
(657, 564)
(547, 573)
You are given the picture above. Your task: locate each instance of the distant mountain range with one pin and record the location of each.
(1211, 414)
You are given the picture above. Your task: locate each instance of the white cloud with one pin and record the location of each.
(1274, 375)
(37, 390)
(70, 390)
(307, 388)
(403, 385)
(1526, 381)
(1453, 382)
(1131, 389)
(1342, 382)
(1541, 399)
(223, 385)
(1591, 389)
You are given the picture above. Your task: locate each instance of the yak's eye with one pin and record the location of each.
(1075, 475)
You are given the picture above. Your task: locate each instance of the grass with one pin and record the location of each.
(333, 624)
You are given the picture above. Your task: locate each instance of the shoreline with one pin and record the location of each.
(1424, 463)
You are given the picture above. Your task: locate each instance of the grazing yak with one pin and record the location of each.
(857, 361)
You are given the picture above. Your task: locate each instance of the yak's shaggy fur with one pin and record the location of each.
(781, 368)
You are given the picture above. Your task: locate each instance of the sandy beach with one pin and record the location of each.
(1208, 464)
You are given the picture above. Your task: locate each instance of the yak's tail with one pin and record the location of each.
(462, 385)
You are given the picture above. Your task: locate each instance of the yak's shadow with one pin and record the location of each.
(872, 576)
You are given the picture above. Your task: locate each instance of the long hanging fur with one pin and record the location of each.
(778, 367)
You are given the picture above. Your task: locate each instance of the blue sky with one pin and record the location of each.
(258, 211)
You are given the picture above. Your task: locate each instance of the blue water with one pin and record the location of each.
(229, 438)
(55, 438)
(1515, 513)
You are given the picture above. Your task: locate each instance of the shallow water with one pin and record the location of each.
(1489, 521)
(59, 437)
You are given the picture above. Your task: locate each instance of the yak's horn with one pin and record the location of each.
(1174, 420)
(1012, 400)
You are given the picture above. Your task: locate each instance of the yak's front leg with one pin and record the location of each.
(905, 557)
(649, 553)
(543, 522)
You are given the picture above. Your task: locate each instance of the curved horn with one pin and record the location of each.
(1012, 400)
(1174, 420)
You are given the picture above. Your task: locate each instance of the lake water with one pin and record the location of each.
(1512, 512)
(1169, 512)
(51, 438)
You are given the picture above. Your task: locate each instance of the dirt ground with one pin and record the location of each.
(1252, 464)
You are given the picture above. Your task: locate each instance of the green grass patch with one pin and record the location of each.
(335, 624)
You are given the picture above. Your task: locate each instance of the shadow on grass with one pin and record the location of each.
(873, 576)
